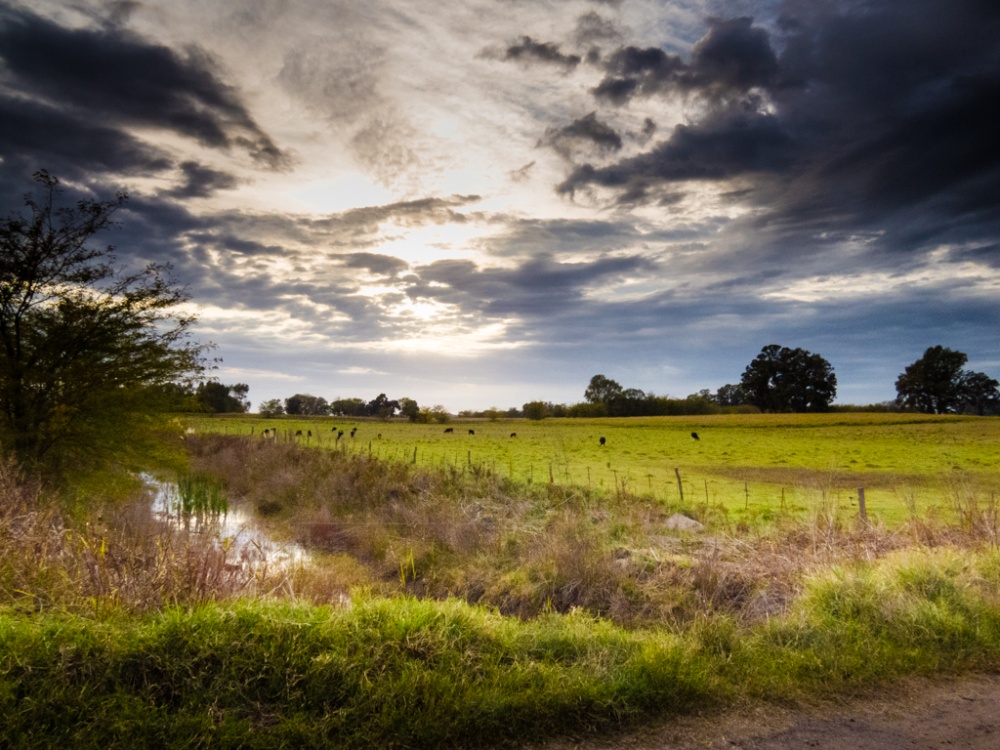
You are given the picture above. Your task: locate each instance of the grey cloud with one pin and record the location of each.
(592, 28)
(37, 135)
(107, 74)
(201, 181)
(731, 59)
(588, 132)
(360, 221)
(877, 122)
(632, 71)
(384, 265)
(720, 148)
(733, 56)
(529, 50)
(535, 289)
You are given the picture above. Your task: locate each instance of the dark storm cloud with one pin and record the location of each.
(36, 135)
(201, 181)
(529, 50)
(107, 75)
(730, 60)
(724, 146)
(633, 71)
(588, 132)
(878, 119)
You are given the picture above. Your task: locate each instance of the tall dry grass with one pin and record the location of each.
(117, 555)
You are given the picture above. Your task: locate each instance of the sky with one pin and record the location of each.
(486, 202)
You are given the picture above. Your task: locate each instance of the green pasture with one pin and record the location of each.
(752, 465)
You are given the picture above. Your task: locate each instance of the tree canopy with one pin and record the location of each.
(789, 380)
(937, 384)
(85, 348)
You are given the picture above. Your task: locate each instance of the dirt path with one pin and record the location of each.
(914, 715)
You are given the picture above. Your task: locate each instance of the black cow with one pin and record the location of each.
(603, 441)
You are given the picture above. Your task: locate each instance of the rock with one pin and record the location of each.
(683, 523)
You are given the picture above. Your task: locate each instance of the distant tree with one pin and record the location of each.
(979, 394)
(730, 395)
(270, 408)
(492, 414)
(782, 379)
(381, 407)
(933, 384)
(439, 414)
(409, 409)
(348, 407)
(304, 404)
(536, 410)
(216, 398)
(937, 384)
(602, 390)
(86, 349)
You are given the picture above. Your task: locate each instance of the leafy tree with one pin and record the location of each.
(382, 407)
(492, 414)
(730, 395)
(216, 398)
(348, 407)
(86, 350)
(782, 379)
(937, 384)
(979, 393)
(409, 409)
(536, 410)
(271, 408)
(602, 390)
(304, 404)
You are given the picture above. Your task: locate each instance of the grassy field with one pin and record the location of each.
(752, 465)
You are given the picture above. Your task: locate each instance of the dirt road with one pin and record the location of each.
(914, 715)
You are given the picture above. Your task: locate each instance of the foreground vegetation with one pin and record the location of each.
(455, 607)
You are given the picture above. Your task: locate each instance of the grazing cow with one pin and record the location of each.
(472, 432)
(379, 436)
(513, 434)
(266, 433)
(603, 441)
(353, 430)
(449, 429)
(309, 433)
(695, 436)
(298, 433)
(340, 435)
(333, 429)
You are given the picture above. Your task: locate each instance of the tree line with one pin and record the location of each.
(781, 379)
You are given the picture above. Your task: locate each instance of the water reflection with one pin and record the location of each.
(237, 530)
